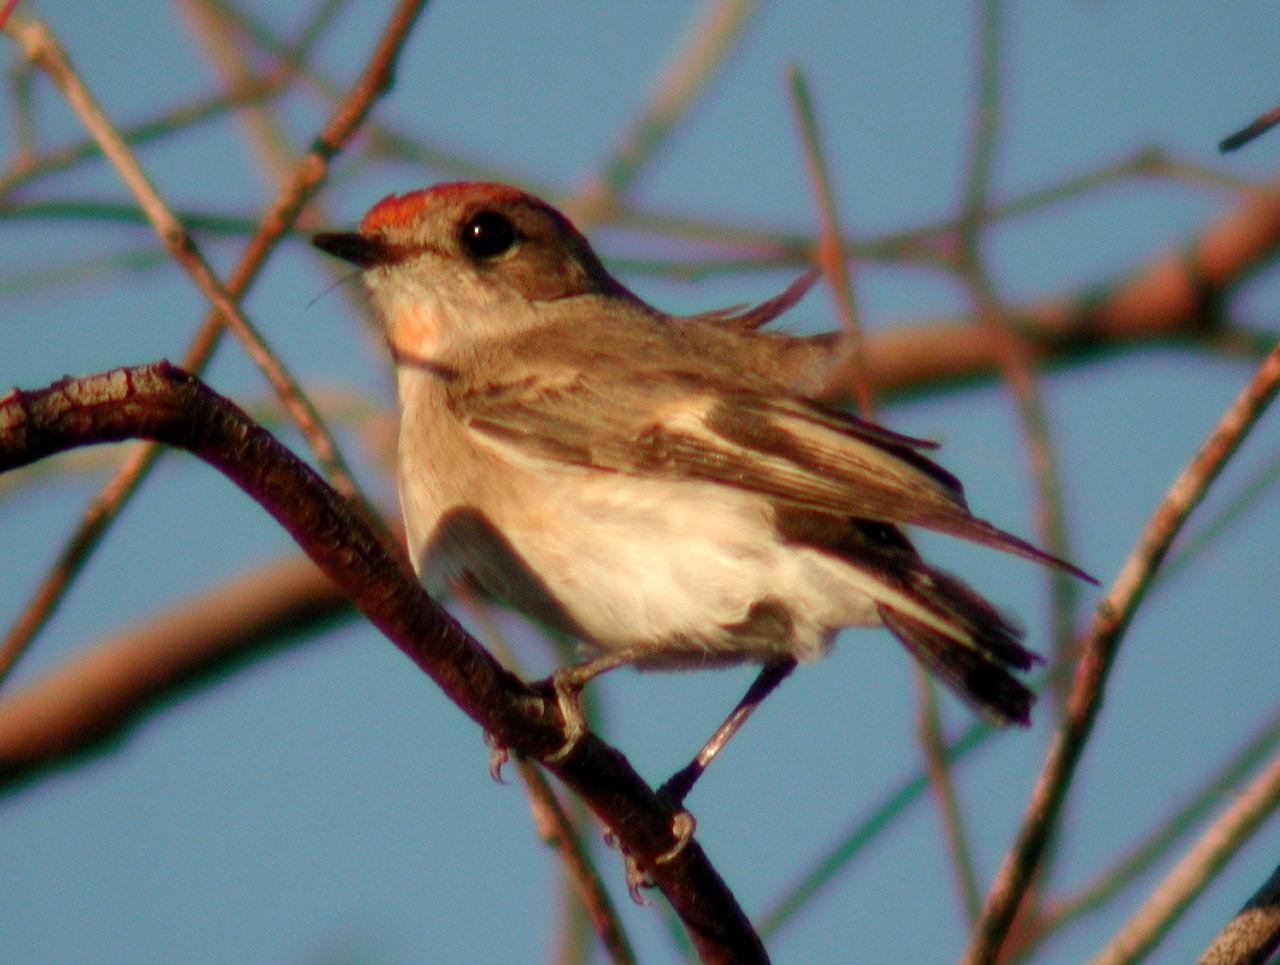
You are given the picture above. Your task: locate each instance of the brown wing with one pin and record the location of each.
(691, 425)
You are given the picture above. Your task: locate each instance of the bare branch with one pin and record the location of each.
(1193, 873)
(1015, 355)
(1252, 936)
(308, 175)
(1254, 129)
(167, 405)
(1100, 647)
(850, 364)
(558, 831)
(1179, 295)
(1157, 844)
(42, 48)
(709, 38)
(90, 704)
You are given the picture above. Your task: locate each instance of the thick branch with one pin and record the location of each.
(1252, 936)
(167, 405)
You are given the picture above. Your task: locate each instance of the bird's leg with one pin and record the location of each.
(678, 786)
(567, 683)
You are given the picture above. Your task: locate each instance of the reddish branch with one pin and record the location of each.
(167, 405)
(1098, 653)
(1179, 295)
(88, 705)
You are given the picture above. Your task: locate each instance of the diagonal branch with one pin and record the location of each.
(557, 829)
(42, 48)
(1252, 936)
(309, 173)
(701, 53)
(1099, 650)
(1063, 911)
(167, 405)
(90, 704)
(1193, 873)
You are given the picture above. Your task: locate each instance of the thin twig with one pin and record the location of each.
(1016, 364)
(1197, 868)
(558, 831)
(390, 142)
(1069, 909)
(985, 123)
(1193, 547)
(1012, 352)
(246, 91)
(115, 212)
(924, 245)
(5, 10)
(861, 834)
(251, 91)
(554, 825)
(266, 137)
(1100, 647)
(850, 358)
(699, 55)
(850, 368)
(309, 174)
(1015, 358)
(1254, 129)
(938, 767)
(24, 112)
(42, 48)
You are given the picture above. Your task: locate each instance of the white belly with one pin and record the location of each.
(692, 570)
(622, 563)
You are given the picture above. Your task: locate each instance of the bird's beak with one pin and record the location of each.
(360, 250)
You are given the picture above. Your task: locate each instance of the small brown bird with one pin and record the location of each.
(665, 488)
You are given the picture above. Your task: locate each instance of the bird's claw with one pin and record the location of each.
(636, 878)
(498, 756)
(683, 824)
(567, 691)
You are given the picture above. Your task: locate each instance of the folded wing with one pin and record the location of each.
(698, 426)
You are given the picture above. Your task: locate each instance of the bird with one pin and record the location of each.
(670, 490)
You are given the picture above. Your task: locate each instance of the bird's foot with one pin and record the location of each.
(683, 825)
(498, 756)
(567, 683)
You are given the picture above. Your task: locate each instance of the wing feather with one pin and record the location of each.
(700, 425)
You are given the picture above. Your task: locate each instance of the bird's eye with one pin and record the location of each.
(488, 235)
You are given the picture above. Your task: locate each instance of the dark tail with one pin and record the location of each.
(977, 669)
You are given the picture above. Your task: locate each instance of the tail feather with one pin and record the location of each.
(975, 660)
(980, 682)
(947, 626)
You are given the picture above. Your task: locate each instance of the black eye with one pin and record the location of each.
(488, 235)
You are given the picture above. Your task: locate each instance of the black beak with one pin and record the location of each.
(356, 248)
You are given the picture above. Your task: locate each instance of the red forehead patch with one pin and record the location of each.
(397, 210)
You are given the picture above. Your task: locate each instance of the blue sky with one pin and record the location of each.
(328, 804)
